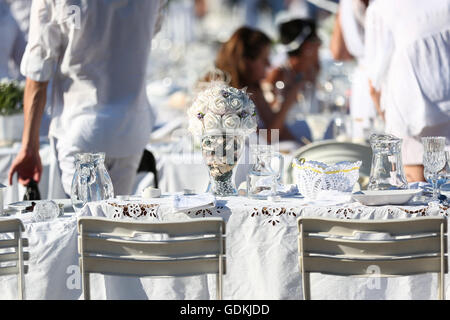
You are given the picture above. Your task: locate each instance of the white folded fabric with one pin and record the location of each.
(287, 189)
(193, 202)
(282, 189)
(332, 196)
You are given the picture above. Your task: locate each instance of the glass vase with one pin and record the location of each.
(221, 153)
(91, 181)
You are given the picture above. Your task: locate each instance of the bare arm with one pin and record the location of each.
(27, 164)
(337, 43)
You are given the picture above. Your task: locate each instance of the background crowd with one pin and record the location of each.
(383, 65)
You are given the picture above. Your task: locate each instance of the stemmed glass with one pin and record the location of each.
(447, 154)
(434, 160)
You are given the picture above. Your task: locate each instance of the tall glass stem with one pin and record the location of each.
(435, 197)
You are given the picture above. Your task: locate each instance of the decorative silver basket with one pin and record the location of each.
(312, 177)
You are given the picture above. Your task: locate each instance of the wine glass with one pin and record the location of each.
(447, 155)
(434, 160)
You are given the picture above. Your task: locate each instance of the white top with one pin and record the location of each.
(96, 52)
(352, 24)
(352, 27)
(408, 45)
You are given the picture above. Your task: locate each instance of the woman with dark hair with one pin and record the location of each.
(301, 43)
(245, 58)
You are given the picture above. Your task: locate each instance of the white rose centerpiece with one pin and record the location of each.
(222, 116)
(222, 109)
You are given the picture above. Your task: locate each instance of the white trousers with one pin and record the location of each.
(121, 170)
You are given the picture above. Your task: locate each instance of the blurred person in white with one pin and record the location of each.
(14, 17)
(408, 46)
(253, 9)
(347, 43)
(297, 73)
(95, 53)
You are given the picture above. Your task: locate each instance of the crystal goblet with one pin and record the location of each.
(434, 160)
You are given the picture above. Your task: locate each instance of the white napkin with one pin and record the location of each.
(282, 190)
(287, 189)
(329, 197)
(193, 202)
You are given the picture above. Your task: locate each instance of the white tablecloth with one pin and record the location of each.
(262, 256)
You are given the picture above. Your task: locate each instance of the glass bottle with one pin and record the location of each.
(91, 181)
(386, 172)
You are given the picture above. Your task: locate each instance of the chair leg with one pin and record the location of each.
(306, 283)
(86, 286)
(20, 286)
(219, 286)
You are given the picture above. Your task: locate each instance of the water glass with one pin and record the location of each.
(447, 156)
(444, 188)
(46, 210)
(434, 160)
(262, 179)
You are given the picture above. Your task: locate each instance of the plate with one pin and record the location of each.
(383, 197)
(23, 205)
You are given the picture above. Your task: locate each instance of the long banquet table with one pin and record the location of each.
(262, 254)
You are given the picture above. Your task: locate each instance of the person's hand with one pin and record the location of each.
(28, 166)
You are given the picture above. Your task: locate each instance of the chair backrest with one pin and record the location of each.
(331, 151)
(12, 256)
(410, 246)
(125, 248)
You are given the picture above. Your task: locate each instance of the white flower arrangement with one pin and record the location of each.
(222, 109)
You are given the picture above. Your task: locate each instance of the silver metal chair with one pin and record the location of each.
(193, 247)
(12, 256)
(416, 245)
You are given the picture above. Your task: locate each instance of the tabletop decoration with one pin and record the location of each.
(222, 116)
(356, 211)
(272, 215)
(206, 212)
(191, 202)
(91, 180)
(386, 171)
(312, 177)
(135, 211)
(46, 210)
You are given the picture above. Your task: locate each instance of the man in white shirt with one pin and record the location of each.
(95, 53)
(408, 46)
(347, 43)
